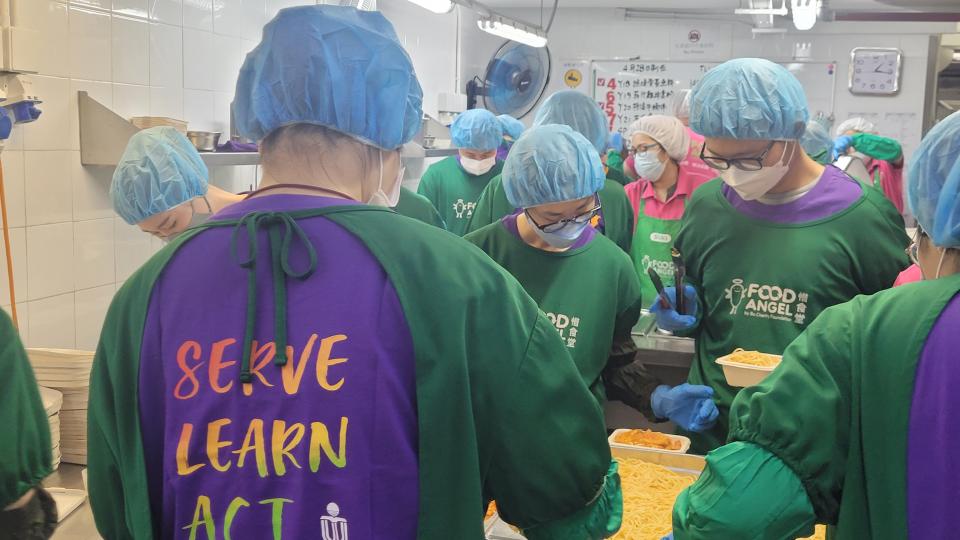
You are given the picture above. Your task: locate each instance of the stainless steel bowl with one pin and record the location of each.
(204, 141)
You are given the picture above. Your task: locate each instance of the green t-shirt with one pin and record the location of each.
(832, 419)
(25, 452)
(762, 283)
(616, 209)
(454, 192)
(418, 207)
(616, 173)
(591, 293)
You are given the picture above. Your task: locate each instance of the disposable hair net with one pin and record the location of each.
(579, 111)
(332, 66)
(749, 98)
(816, 142)
(511, 126)
(667, 131)
(549, 164)
(855, 124)
(476, 129)
(159, 170)
(933, 183)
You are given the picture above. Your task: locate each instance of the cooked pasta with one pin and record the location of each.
(649, 492)
(820, 534)
(754, 358)
(647, 438)
(491, 510)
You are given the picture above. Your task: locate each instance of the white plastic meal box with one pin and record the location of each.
(743, 375)
(684, 443)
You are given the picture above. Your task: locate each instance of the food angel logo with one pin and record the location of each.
(735, 295)
(333, 527)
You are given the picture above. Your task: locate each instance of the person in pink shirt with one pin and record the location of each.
(882, 156)
(668, 174)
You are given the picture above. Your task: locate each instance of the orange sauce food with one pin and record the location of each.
(647, 438)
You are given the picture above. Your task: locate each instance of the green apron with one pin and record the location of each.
(761, 283)
(478, 419)
(652, 242)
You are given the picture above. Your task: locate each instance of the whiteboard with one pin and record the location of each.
(627, 90)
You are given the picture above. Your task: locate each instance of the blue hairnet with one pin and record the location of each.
(511, 126)
(933, 183)
(159, 170)
(616, 141)
(580, 112)
(749, 98)
(550, 164)
(476, 129)
(331, 66)
(816, 142)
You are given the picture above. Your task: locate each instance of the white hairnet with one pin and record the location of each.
(667, 131)
(856, 124)
(681, 104)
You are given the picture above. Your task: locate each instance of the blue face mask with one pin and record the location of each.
(563, 238)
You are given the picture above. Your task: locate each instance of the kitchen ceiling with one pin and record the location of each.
(684, 5)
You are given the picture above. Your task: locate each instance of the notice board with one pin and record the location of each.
(629, 89)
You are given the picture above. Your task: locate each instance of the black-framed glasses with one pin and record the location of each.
(579, 219)
(913, 250)
(643, 148)
(744, 164)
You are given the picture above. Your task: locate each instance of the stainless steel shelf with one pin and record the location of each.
(104, 135)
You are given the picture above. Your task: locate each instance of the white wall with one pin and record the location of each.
(175, 58)
(583, 34)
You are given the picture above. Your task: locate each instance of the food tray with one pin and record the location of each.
(742, 375)
(684, 443)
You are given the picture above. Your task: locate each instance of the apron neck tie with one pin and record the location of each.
(282, 229)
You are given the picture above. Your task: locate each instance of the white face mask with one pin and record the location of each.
(751, 185)
(648, 166)
(391, 198)
(478, 167)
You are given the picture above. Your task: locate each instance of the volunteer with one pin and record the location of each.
(27, 511)
(857, 426)
(299, 363)
(512, 130)
(615, 154)
(584, 283)
(681, 111)
(667, 180)
(160, 184)
(882, 156)
(455, 183)
(816, 142)
(569, 108)
(417, 206)
(780, 238)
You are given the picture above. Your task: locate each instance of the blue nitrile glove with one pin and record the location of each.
(840, 145)
(690, 406)
(668, 537)
(668, 319)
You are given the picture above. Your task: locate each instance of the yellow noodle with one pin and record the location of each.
(649, 492)
(754, 358)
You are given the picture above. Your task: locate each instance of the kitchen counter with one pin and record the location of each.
(658, 348)
(79, 524)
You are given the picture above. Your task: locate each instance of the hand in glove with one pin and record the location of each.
(689, 406)
(668, 319)
(841, 144)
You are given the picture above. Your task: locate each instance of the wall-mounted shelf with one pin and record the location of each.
(104, 135)
(440, 152)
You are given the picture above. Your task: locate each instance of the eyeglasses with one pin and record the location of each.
(579, 219)
(643, 148)
(744, 164)
(913, 250)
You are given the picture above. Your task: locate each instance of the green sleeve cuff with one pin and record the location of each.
(601, 518)
(878, 147)
(742, 476)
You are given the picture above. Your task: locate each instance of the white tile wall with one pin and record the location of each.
(177, 58)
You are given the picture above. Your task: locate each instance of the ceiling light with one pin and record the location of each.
(436, 6)
(513, 30)
(781, 11)
(805, 13)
